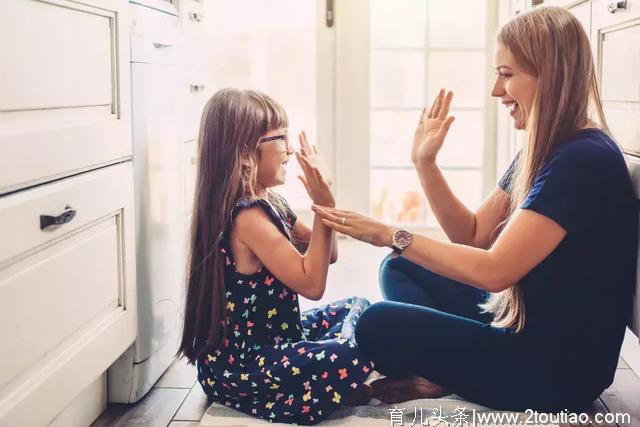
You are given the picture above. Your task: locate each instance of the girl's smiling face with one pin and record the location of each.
(514, 86)
(274, 151)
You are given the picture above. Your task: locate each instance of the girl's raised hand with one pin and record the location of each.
(432, 129)
(315, 184)
(311, 153)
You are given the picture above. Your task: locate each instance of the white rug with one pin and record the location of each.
(450, 411)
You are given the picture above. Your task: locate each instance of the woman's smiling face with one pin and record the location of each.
(514, 86)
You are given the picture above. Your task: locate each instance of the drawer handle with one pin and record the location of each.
(66, 216)
(616, 5)
(195, 16)
(196, 87)
(161, 45)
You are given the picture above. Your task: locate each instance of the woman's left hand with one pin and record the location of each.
(355, 225)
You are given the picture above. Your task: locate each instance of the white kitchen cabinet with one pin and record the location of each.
(615, 37)
(614, 30)
(634, 170)
(192, 23)
(195, 94)
(196, 88)
(67, 291)
(617, 45)
(64, 89)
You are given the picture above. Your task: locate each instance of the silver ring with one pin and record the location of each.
(344, 220)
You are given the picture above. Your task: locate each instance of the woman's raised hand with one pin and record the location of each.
(432, 129)
(313, 180)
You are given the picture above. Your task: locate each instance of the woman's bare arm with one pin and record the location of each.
(459, 223)
(528, 238)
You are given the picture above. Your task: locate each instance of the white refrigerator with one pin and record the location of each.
(156, 78)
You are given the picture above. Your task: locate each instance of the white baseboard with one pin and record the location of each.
(85, 408)
(630, 351)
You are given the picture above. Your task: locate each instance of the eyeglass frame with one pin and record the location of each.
(284, 136)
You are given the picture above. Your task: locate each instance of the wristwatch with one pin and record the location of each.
(400, 240)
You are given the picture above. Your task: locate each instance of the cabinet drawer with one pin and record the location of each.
(582, 11)
(605, 18)
(155, 34)
(196, 93)
(193, 21)
(64, 91)
(65, 285)
(579, 9)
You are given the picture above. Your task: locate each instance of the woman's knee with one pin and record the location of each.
(403, 281)
(372, 325)
(386, 264)
(389, 273)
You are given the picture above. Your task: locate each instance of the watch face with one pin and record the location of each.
(402, 239)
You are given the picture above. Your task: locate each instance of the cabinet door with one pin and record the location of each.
(617, 45)
(67, 291)
(581, 9)
(634, 170)
(192, 22)
(64, 88)
(616, 39)
(194, 93)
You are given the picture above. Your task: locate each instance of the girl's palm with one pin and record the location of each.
(311, 153)
(314, 181)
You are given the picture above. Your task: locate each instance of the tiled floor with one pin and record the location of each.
(177, 399)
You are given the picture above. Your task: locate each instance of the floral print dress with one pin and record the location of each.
(275, 362)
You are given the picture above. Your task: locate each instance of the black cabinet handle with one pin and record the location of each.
(63, 218)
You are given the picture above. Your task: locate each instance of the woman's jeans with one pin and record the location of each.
(432, 327)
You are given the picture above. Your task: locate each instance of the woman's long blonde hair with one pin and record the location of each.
(550, 44)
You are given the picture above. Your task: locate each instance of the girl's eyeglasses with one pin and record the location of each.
(284, 137)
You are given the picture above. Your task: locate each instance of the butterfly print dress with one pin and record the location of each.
(275, 362)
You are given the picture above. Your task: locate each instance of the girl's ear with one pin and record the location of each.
(246, 158)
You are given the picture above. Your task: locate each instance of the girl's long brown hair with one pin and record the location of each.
(550, 44)
(231, 125)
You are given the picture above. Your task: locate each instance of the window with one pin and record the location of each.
(417, 47)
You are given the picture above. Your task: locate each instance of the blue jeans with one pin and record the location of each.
(432, 327)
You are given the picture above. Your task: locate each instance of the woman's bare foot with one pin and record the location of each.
(361, 396)
(396, 390)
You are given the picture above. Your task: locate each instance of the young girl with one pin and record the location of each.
(250, 259)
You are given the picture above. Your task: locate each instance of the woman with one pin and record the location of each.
(526, 307)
